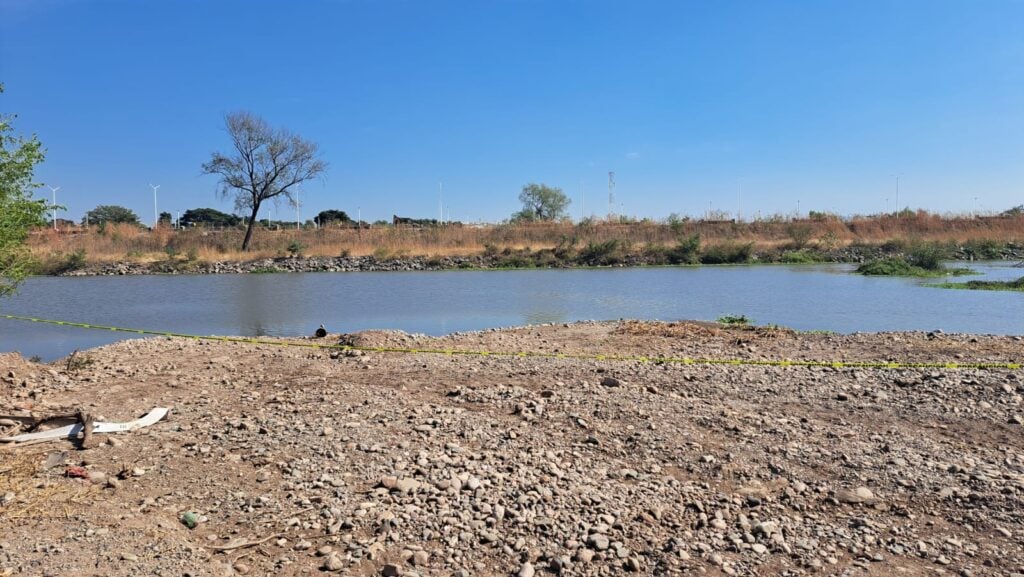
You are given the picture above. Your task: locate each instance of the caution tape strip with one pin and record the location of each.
(524, 354)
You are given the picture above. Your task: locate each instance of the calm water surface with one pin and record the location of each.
(822, 297)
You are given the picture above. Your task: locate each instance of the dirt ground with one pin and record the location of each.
(298, 461)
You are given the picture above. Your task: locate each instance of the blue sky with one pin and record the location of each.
(756, 107)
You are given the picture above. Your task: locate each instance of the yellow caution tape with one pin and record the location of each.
(522, 354)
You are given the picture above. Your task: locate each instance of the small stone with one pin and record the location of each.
(333, 563)
(598, 542)
(390, 570)
(407, 485)
(526, 570)
(129, 557)
(241, 568)
(759, 548)
(584, 556)
(611, 382)
(420, 558)
(855, 496)
(325, 550)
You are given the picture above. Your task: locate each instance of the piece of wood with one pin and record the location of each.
(88, 441)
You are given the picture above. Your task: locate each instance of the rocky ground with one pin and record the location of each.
(517, 259)
(297, 461)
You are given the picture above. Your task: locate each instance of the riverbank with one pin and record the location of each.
(130, 249)
(613, 256)
(297, 461)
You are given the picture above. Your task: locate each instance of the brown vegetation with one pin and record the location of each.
(131, 243)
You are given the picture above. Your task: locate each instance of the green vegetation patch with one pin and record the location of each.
(802, 256)
(987, 285)
(735, 320)
(898, 266)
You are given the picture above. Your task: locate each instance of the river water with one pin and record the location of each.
(825, 297)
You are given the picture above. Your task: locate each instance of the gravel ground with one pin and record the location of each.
(296, 461)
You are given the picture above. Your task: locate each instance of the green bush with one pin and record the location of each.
(727, 253)
(983, 249)
(609, 252)
(897, 266)
(734, 320)
(928, 256)
(60, 263)
(891, 266)
(687, 251)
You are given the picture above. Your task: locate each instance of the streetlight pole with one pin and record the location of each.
(156, 215)
(54, 190)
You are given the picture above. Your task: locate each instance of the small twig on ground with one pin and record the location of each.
(244, 544)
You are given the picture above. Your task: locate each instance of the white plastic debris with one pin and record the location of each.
(72, 431)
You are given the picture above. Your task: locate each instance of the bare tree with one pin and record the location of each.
(266, 163)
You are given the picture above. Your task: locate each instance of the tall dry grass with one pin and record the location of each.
(126, 242)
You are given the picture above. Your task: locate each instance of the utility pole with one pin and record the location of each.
(897, 196)
(156, 215)
(54, 190)
(583, 202)
(440, 199)
(739, 187)
(611, 190)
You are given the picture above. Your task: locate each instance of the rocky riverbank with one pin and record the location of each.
(297, 461)
(523, 258)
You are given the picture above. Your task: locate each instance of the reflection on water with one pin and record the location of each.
(805, 297)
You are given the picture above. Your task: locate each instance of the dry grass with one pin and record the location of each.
(31, 495)
(125, 242)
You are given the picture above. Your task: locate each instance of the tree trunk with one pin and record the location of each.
(248, 229)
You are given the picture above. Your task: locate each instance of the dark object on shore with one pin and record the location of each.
(321, 332)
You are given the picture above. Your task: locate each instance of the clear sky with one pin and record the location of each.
(759, 107)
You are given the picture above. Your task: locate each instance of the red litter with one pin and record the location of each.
(79, 472)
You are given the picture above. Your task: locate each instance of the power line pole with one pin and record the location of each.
(54, 190)
(440, 200)
(611, 198)
(583, 202)
(156, 215)
(897, 196)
